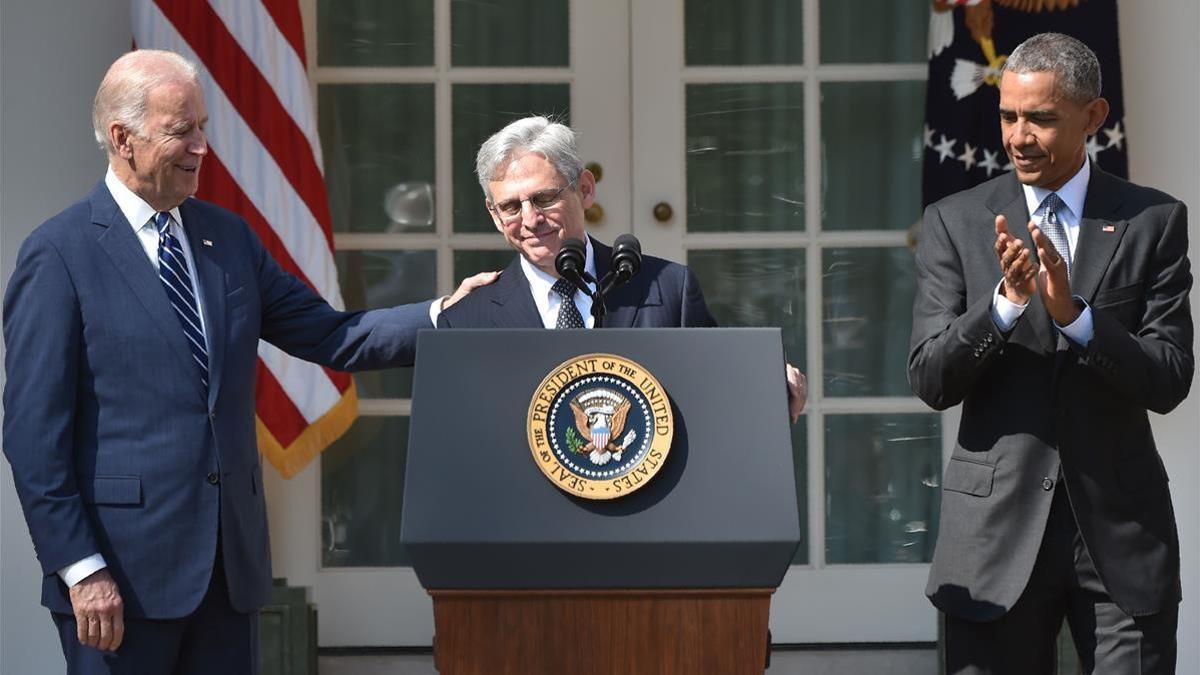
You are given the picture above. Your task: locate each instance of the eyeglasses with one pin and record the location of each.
(540, 200)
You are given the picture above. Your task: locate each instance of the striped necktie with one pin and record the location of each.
(1054, 229)
(568, 313)
(173, 272)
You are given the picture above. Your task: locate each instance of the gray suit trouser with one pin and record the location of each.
(1064, 584)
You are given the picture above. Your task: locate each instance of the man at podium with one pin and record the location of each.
(536, 190)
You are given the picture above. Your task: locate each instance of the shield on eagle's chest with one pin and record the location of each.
(600, 433)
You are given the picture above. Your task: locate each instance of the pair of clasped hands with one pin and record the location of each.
(1023, 276)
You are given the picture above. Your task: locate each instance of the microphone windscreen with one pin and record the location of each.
(627, 241)
(627, 256)
(570, 258)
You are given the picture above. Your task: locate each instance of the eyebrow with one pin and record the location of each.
(1028, 113)
(531, 196)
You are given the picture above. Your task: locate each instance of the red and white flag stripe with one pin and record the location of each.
(265, 164)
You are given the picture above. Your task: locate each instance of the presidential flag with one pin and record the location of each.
(969, 41)
(264, 163)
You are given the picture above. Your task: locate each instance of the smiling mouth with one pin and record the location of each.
(189, 169)
(540, 234)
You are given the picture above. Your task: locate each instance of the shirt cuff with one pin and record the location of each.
(1004, 311)
(435, 309)
(77, 572)
(1081, 330)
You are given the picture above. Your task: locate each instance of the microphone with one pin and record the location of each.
(626, 258)
(569, 263)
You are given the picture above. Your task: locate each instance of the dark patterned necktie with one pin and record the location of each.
(173, 272)
(568, 313)
(1054, 229)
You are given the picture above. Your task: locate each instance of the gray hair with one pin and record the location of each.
(1075, 65)
(552, 140)
(127, 85)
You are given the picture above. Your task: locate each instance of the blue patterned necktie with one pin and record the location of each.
(568, 313)
(173, 272)
(1053, 227)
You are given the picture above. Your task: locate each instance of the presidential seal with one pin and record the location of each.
(600, 426)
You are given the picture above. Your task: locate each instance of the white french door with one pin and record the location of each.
(725, 114)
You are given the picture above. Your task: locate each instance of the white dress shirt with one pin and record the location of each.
(548, 302)
(141, 217)
(1073, 193)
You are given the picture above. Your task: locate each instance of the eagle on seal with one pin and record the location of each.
(600, 424)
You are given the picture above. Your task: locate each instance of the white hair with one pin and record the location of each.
(126, 87)
(552, 140)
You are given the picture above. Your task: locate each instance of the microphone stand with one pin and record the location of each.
(569, 264)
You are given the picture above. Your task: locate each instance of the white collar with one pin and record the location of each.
(1073, 192)
(540, 282)
(134, 208)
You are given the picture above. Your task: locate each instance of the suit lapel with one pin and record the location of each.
(211, 277)
(625, 301)
(1009, 200)
(513, 300)
(122, 246)
(1099, 235)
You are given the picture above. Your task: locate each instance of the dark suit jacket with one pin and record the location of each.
(662, 295)
(109, 432)
(1034, 403)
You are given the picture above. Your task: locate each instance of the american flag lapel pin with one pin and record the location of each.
(208, 242)
(1108, 227)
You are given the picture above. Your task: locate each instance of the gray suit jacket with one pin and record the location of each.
(1037, 408)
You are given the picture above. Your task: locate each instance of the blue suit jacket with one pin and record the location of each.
(662, 295)
(109, 432)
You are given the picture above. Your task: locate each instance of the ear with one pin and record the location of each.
(587, 188)
(120, 140)
(1097, 112)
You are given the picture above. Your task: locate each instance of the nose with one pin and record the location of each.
(198, 143)
(1020, 133)
(530, 214)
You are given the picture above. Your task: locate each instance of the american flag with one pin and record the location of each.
(264, 163)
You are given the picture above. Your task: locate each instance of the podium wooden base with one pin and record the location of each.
(634, 632)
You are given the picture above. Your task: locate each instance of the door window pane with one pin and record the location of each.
(379, 157)
(362, 490)
(480, 110)
(468, 262)
(756, 287)
(742, 32)
(745, 157)
(882, 478)
(375, 32)
(872, 142)
(867, 315)
(373, 279)
(874, 31)
(509, 33)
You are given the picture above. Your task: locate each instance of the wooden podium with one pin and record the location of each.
(675, 578)
(656, 632)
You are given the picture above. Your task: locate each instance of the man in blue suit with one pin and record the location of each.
(129, 402)
(537, 189)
